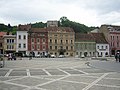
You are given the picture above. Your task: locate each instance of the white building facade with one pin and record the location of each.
(22, 42)
(102, 50)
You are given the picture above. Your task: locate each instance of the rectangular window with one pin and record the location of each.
(76, 53)
(19, 46)
(24, 37)
(71, 47)
(117, 37)
(61, 42)
(98, 47)
(43, 40)
(50, 40)
(66, 41)
(117, 44)
(50, 47)
(43, 47)
(102, 47)
(71, 41)
(55, 41)
(19, 37)
(106, 47)
(55, 47)
(32, 39)
(66, 47)
(38, 40)
(7, 40)
(32, 46)
(113, 37)
(24, 45)
(12, 40)
(12, 46)
(38, 47)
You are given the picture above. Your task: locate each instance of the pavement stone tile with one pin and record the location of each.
(80, 79)
(95, 75)
(113, 75)
(92, 70)
(95, 87)
(7, 78)
(30, 81)
(36, 89)
(52, 77)
(55, 72)
(35, 70)
(71, 71)
(34, 73)
(18, 73)
(109, 82)
(60, 85)
(66, 69)
(4, 86)
(74, 72)
(20, 70)
(3, 72)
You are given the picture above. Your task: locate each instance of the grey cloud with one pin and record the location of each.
(104, 6)
(17, 11)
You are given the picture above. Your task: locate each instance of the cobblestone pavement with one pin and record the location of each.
(56, 74)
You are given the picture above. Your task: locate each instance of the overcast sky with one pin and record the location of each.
(88, 12)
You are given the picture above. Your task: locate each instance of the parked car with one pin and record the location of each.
(38, 56)
(53, 56)
(82, 56)
(61, 56)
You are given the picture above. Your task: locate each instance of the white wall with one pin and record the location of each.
(22, 41)
(102, 50)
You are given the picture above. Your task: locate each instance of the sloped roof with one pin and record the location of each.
(24, 27)
(3, 33)
(99, 38)
(114, 27)
(38, 29)
(59, 29)
(84, 37)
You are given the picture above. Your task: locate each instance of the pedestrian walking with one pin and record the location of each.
(117, 57)
(30, 55)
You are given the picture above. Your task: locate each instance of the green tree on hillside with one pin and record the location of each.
(81, 28)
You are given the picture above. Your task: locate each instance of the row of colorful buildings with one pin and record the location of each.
(54, 40)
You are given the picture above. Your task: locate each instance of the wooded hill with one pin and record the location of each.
(63, 22)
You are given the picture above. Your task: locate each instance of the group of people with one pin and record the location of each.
(11, 56)
(117, 57)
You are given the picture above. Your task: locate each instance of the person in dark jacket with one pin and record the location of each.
(117, 57)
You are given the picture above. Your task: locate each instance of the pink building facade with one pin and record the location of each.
(114, 42)
(112, 35)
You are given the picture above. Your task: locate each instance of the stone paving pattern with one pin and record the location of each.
(56, 74)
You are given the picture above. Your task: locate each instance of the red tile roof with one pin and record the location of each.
(38, 29)
(3, 33)
(59, 29)
(99, 38)
(24, 27)
(84, 37)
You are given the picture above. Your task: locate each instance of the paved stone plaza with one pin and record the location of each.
(58, 74)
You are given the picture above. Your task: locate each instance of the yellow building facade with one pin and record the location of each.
(61, 41)
(9, 44)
